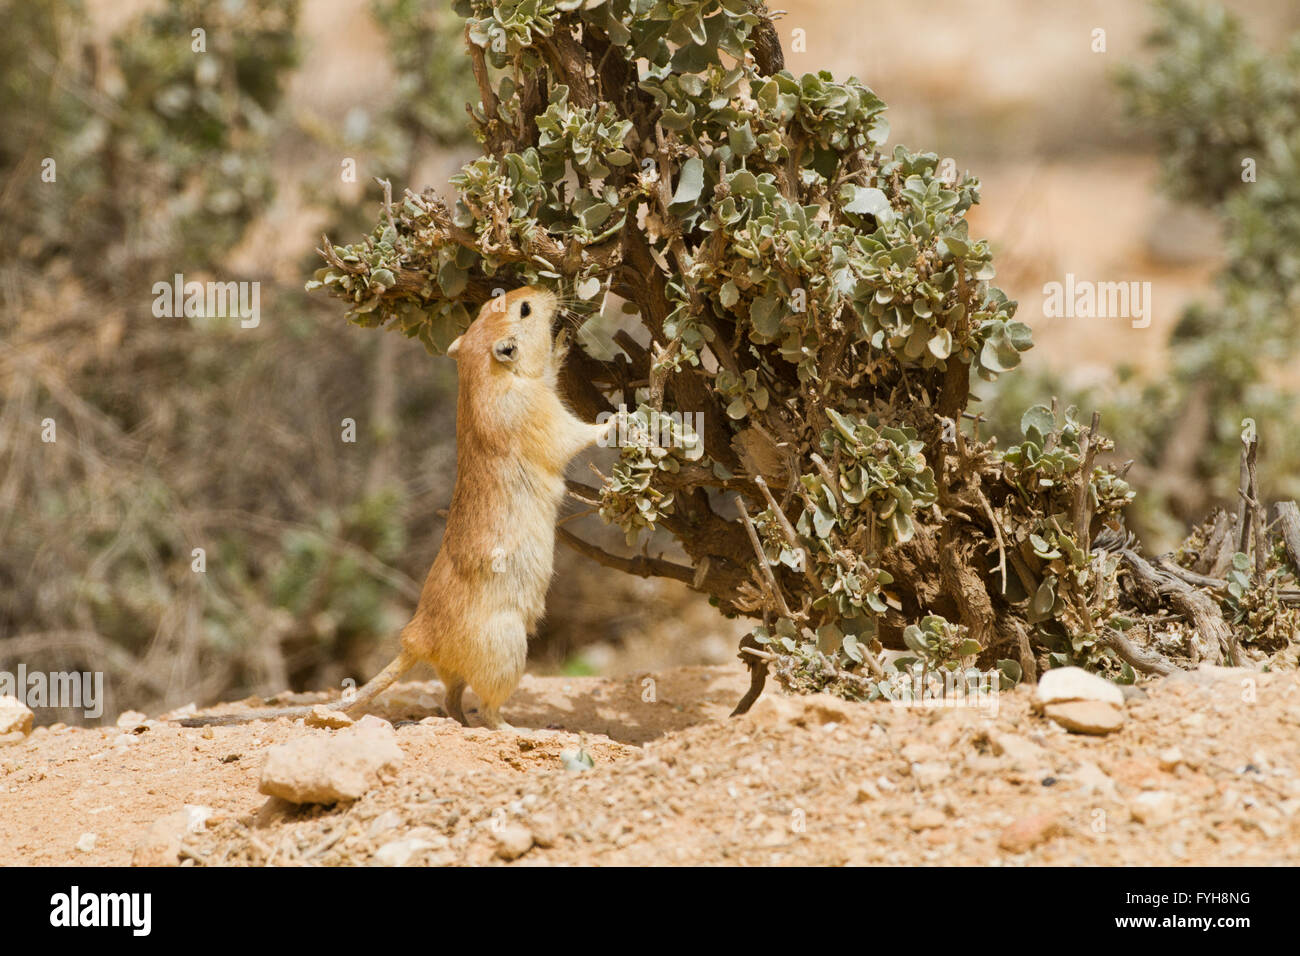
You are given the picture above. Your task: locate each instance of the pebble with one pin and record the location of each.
(1086, 716)
(1027, 832)
(1170, 758)
(513, 841)
(867, 791)
(931, 772)
(1020, 750)
(400, 852)
(131, 719)
(927, 818)
(1094, 780)
(328, 718)
(326, 769)
(86, 843)
(15, 716)
(383, 823)
(1153, 807)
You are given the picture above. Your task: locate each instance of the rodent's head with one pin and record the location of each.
(512, 335)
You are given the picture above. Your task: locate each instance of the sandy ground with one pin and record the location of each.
(1205, 771)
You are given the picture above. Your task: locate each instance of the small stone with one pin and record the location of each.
(513, 841)
(1021, 751)
(327, 718)
(196, 817)
(1086, 716)
(401, 852)
(15, 716)
(1027, 832)
(1153, 807)
(914, 753)
(13, 737)
(86, 843)
(1094, 780)
(546, 829)
(927, 818)
(383, 823)
(131, 719)
(931, 772)
(1170, 758)
(867, 791)
(1074, 683)
(326, 769)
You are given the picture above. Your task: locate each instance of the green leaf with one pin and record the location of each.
(1039, 417)
(765, 315)
(1040, 608)
(690, 182)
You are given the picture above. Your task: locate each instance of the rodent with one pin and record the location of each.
(487, 588)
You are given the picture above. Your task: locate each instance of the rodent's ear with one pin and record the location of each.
(453, 350)
(506, 351)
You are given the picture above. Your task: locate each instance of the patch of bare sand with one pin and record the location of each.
(1204, 771)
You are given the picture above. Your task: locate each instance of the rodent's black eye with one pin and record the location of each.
(525, 310)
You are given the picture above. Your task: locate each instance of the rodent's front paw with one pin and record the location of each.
(607, 432)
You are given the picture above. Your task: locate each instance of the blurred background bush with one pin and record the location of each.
(173, 434)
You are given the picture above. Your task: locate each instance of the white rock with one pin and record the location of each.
(400, 852)
(326, 768)
(322, 716)
(15, 717)
(196, 817)
(1153, 807)
(383, 823)
(131, 719)
(1094, 780)
(931, 772)
(1170, 758)
(866, 791)
(1074, 683)
(1086, 716)
(1021, 751)
(513, 841)
(87, 842)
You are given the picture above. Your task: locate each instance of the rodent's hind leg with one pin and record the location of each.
(452, 702)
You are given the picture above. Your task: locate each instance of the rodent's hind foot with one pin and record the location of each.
(492, 719)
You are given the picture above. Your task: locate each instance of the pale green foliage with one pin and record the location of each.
(813, 292)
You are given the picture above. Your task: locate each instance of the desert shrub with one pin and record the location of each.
(741, 244)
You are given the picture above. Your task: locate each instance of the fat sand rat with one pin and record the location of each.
(486, 591)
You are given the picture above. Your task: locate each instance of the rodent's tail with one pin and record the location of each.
(399, 665)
